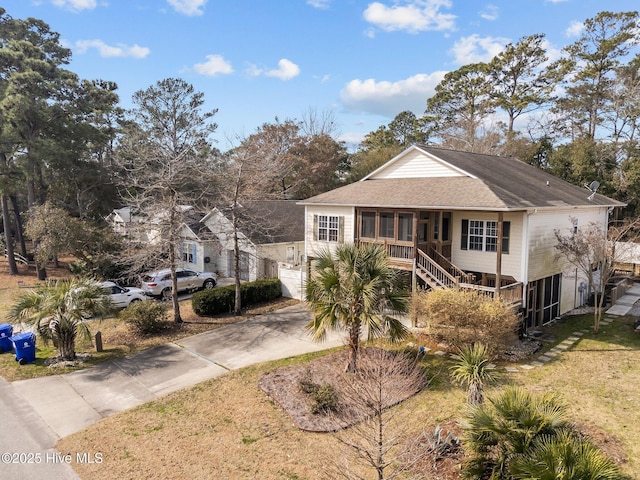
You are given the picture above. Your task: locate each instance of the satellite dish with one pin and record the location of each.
(593, 188)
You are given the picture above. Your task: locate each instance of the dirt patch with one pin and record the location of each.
(610, 445)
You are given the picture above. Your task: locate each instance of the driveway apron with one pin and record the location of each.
(70, 402)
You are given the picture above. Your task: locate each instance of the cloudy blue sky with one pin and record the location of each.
(364, 61)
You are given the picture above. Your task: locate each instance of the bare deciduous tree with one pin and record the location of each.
(252, 172)
(168, 162)
(382, 380)
(591, 249)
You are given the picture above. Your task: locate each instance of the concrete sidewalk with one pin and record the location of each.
(70, 402)
(625, 303)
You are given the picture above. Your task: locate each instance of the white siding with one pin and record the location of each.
(542, 259)
(477, 261)
(416, 164)
(278, 252)
(313, 247)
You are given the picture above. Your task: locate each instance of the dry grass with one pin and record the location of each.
(227, 428)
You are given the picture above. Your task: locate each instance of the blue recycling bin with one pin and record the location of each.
(6, 330)
(25, 347)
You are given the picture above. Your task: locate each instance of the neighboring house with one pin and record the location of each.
(120, 221)
(462, 219)
(275, 235)
(136, 228)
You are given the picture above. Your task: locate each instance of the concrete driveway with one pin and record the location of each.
(70, 402)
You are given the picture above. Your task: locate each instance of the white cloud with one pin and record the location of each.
(415, 16)
(553, 53)
(118, 50)
(76, 5)
(322, 4)
(390, 98)
(286, 70)
(490, 13)
(474, 48)
(574, 29)
(215, 65)
(188, 7)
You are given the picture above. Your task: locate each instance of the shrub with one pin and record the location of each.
(521, 435)
(306, 384)
(464, 317)
(440, 445)
(147, 317)
(214, 301)
(222, 300)
(325, 399)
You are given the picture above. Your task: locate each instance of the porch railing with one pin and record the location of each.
(511, 294)
(434, 271)
(395, 250)
(452, 269)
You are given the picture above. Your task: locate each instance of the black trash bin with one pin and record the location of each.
(25, 347)
(6, 330)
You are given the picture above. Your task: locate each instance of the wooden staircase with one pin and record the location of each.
(438, 272)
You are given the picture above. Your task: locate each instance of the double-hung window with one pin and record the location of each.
(476, 234)
(328, 228)
(189, 252)
(482, 236)
(491, 237)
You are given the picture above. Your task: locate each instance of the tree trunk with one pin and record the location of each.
(177, 317)
(237, 310)
(41, 271)
(67, 344)
(8, 240)
(19, 227)
(474, 394)
(597, 314)
(354, 343)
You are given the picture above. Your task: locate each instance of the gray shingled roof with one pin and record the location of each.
(274, 221)
(500, 183)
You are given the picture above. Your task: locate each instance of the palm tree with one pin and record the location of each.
(355, 289)
(563, 457)
(498, 431)
(58, 310)
(473, 369)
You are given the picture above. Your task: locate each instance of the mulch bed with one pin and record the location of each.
(283, 385)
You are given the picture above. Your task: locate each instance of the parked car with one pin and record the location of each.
(122, 297)
(158, 284)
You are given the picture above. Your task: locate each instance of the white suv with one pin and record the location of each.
(122, 297)
(158, 284)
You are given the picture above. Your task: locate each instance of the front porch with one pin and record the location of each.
(419, 241)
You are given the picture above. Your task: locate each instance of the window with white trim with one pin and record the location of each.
(476, 235)
(328, 227)
(491, 237)
(482, 236)
(189, 252)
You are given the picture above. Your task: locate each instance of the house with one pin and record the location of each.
(271, 234)
(451, 218)
(138, 228)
